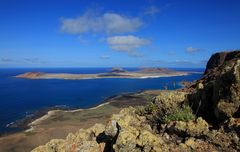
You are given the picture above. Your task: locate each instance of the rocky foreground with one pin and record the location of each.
(204, 116)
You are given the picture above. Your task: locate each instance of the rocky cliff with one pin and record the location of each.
(217, 94)
(202, 117)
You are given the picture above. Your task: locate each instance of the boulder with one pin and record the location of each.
(132, 133)
(193, 128)
(233, 124)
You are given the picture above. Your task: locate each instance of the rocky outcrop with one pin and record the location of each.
(207, 118)
(129, 131)
(133, 133)
(194, 128)
(220, 58)
(217, 93)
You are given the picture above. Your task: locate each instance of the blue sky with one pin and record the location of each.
(106, 33)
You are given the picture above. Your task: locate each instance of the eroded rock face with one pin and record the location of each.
(218, 59)
(219, 95)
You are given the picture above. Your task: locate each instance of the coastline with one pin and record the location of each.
(105, 102)
(58, 123)
(53, 112)
(29, 123)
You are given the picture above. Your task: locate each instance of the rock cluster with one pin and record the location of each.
(191, 128)
(128, 131)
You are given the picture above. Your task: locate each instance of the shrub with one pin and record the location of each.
(140, 110)
(183, 113)
(148, 98)
(151, 108)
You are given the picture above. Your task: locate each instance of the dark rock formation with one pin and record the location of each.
(218, 59)
(217, 93)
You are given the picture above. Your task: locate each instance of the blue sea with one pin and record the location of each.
(20, 98)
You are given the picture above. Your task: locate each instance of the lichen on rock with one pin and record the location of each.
(193, 128)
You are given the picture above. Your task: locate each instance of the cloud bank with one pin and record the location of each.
(6, 60)
(191, 49)
(107, 23)
(105, 57)
(152, 10)
(128, 44)
(178, 63)
(116, 28)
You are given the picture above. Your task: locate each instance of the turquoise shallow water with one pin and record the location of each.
(22, 97)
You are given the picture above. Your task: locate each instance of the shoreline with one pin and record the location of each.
(53, 112)
(27, 124)
(107, 101)
(59, 123)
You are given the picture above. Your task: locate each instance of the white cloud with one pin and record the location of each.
(177, 63)
(33, 60)
(108, 23)
(128, 44)
(6, 60)
(105, 57)
(152, 10)
(191, 49)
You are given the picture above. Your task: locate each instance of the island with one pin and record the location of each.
(114, 73)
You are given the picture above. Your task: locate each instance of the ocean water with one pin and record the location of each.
(22, 97)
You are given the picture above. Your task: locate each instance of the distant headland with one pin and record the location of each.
(114, 73)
